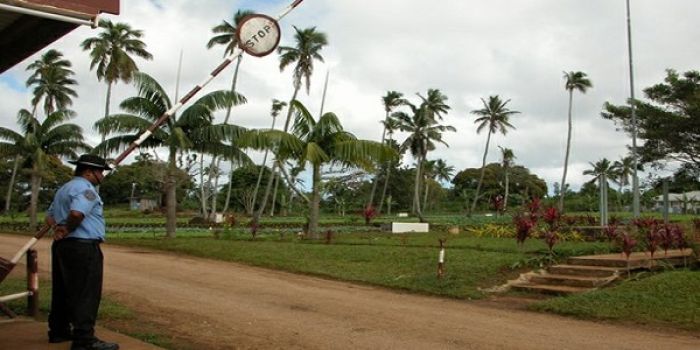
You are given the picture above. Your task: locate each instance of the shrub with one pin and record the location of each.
(369, 213)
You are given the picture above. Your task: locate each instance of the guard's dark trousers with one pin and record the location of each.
(77, 288)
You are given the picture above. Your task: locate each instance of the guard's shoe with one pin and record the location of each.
(59, 337)
(96, 345)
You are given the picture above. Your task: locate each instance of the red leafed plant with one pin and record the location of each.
(329, 236)
(645, 225)
(611, 232)
(551, 238)
(498, 202)
(369, 213)
(696, 224)
(590, 220)
(628, 243)
(667, 237)
(551, 216)
(533, 207)
(569, 220)
(254, 229)
(653, 238)
(679, 238)
(523, 226)
(614, 220)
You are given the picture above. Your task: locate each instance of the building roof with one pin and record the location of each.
(25, 28)
(693, 196)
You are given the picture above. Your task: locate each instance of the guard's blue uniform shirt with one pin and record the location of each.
(80, 195)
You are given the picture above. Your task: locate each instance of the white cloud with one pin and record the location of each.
(466, 48)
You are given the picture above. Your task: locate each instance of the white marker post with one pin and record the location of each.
(441, 259)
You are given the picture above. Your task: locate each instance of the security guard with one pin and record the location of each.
(79, 228)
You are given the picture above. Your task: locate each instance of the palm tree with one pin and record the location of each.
(623, 170)
(602, 171)
(39, 142)
(443, 172)
(190, 130)
(507, 158)
(574, 81)
(309, 44)
(436, 170)
(391, 100)
(226, 35)
(277, 107)
(494, 117)
(428, 174)
(423, 131)
(12, 148)
(391, 124)
(324, 141)
(51, 79)
(435, 104)
(110, 54)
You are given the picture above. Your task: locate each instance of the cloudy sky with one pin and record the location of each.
(466, 48)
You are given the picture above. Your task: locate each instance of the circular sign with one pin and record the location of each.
(258, 35)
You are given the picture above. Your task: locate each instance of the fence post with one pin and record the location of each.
(33, 283)
(441, 259)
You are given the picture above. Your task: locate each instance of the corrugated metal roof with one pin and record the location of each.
(21, 35)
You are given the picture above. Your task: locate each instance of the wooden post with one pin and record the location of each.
(33, 283)
(441, 259)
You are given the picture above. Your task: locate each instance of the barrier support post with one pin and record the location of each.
(33, 283)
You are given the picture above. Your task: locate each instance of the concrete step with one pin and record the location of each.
(570, 280)
(621, 262)
(583, 270)
(549, 289)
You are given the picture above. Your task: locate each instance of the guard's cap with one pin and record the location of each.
(91, 160)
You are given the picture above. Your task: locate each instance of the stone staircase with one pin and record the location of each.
(585, 273)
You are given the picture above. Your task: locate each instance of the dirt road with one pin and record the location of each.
(219, 305)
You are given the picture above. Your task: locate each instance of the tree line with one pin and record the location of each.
(668, 123)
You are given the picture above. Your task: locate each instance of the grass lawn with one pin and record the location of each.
(665, 299)
(406, 262)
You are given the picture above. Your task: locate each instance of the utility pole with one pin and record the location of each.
(635, 178)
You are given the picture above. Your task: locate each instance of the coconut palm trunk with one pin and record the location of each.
(35, 182)
(370, 202)
(103, 135)
(416, 192)
(562, 190)
(425, 193)
(315, 202)
(257, 183)
(228, 192)
(483, 171)
(8, 196)
(170, 196)
(260, 174)
(386, 185)
(505, 198)
(277, 163)
(216, 160)
(202, 187)
(274, 195)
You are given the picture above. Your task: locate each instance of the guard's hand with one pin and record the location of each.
(60, 232)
